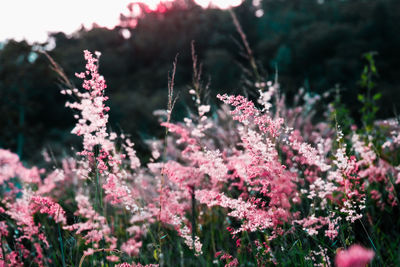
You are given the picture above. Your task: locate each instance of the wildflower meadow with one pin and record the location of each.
(253, 180)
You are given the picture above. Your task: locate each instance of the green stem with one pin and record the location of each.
(2, 250)
(369, 237)
(61, 245)
(193, 217)
(99, 190)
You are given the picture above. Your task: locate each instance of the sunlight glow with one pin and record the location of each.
(33, 20)
(219, 3)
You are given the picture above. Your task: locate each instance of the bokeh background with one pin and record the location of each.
(313, 44)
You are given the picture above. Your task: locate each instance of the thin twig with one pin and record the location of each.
(245, 43)
(171, 84)
(170, 107)
(59, 70)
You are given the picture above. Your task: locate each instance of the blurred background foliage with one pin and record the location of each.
(314, 44)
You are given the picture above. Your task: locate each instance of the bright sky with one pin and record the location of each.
(33, 19)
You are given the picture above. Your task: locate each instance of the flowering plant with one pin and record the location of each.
(257, 181)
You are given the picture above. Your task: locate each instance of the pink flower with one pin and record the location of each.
(355, 256)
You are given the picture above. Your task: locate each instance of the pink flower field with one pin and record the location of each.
(251, 181)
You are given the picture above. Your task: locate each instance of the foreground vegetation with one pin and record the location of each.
(313, 45)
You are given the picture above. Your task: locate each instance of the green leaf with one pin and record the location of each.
(377, 96)
(361, 98)
(373, 68)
